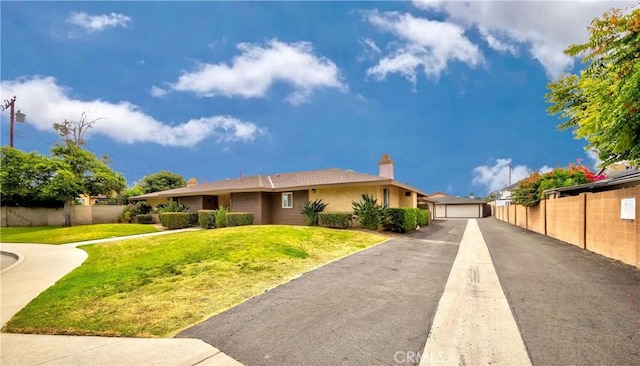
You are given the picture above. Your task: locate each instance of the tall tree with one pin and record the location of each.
(162, 181)
(25, 177)
(81, 172)
(602, 104)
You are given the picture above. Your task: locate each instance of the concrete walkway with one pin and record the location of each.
(473, 324)
(38, 267)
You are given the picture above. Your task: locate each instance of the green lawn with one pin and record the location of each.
(157, 286)
(62, 235)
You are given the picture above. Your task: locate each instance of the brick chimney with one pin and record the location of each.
(192, 182)
(386, 166)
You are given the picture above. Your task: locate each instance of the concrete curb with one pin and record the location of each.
(19, 259)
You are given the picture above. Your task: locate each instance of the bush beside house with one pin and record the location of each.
(239, 218)
(175, 220)
(207, 219)
(335, 220)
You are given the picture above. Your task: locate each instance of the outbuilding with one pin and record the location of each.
(447, 207)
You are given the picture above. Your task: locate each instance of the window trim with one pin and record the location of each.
(386, 197)
(289, 201)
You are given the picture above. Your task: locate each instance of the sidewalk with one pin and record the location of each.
(39, 266)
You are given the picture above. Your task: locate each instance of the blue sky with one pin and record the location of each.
(453, 91)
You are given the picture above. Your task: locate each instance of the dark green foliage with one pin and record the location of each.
(221, 217)
(370, 214)
(175, 220)
(239, 218)
(144, 219)
(132, 211)
(423, 218)
(193, 219)
(403, 219)
(162, 181)
(171, 207)
(207, 219)
(335, 220)
(311, 211)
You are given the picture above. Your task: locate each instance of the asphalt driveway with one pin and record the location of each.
(572, 307)
(371, 308)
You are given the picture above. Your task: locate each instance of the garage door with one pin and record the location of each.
(463, 211)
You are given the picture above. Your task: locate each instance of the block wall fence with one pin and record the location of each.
(590, 221)
(80, 215)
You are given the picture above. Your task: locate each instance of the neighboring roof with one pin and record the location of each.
(629, 177)
(280, 182)
(452, 200)
(616, 167)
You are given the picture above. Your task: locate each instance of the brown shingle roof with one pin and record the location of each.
(279, 182)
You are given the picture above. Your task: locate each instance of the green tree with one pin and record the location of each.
(80, 172)
(492, 196)
(162, 181)
(602, 104)
(25, 178)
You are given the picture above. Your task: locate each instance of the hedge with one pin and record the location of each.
(239, 218)
(175, 220)
(144, 219)
(423, 217)
(193, 219)
(335, 220)
(207, 219)
(403, 219)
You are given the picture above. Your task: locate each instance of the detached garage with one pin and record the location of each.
(449, 207)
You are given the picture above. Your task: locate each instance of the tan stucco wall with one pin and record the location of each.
(411, 201)
(80, 215)
(156, 201)
(339, 199)
(590, 220)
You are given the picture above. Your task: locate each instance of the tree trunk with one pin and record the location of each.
(66, 213)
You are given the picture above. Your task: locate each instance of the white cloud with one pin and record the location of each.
(257, 68)
(370, 45)
(593, 155)
(157, 92)
(496, 177)
(93, 23)
(46, 102)
(544, 28)
(422, 43)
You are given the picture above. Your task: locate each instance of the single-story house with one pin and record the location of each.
(277, 198)
(459, 207)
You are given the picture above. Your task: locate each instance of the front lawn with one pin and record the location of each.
(62, 235)
(157, 286)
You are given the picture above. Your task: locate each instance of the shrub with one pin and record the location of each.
(239, 218)
(370, 214)
(144, 219)
(335, 220)
(311, 211)
(402, 219)
(175, 220)
(206, 219)
(131, 211)
(531, 189)
(193, 219)
(142, 208)
(221, 217)
(423, 217)
(171, 207)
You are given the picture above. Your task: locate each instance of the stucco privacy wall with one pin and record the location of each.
(591, 221)
(521, 216)
(563, 219)
(80, 215)
(606, 233)
(536, 218)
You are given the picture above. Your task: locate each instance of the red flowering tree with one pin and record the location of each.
(531, 190)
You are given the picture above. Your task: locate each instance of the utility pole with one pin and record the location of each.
(13, 116)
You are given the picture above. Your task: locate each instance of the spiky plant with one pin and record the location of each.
(311, 211)
(369, 212)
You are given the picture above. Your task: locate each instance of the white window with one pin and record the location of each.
(385, 194)
(287, 200)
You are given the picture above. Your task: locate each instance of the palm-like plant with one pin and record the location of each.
(311, 211)
(369, 212)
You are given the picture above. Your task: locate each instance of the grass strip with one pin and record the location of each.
(63, 235)
(157, 286)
